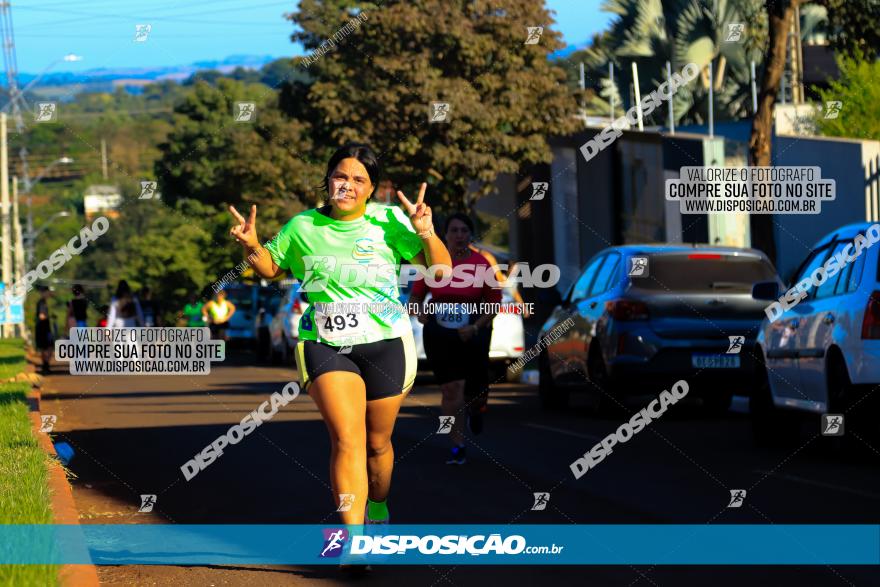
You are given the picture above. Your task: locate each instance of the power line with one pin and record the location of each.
(173, 17)
(152, 36)
(15, 96)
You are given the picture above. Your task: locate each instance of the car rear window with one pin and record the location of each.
(704, 272)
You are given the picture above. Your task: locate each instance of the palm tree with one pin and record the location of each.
(652, 32)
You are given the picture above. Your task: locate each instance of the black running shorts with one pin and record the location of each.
(452, 359)
(388, 367)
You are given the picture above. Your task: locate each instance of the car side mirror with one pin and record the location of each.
(765, 290)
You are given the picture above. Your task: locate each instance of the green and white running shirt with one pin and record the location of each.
(337, 262)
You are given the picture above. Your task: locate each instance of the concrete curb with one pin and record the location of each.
(60, 494)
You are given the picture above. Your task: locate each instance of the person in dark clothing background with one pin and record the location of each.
(77, 308)
(43, 327)
(149, 307)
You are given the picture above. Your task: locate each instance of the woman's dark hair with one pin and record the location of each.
(458, 216)
(77, 289)
(360, 151)
(123, 290)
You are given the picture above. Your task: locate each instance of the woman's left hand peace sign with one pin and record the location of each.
(419, 213)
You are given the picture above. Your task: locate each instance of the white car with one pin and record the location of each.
(284, 327)
(821, 356)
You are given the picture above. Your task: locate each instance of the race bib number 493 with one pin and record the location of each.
(340, 328)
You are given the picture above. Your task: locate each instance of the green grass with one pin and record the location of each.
(24, 492)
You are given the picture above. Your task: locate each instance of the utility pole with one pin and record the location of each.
(611, 83)
(671, 106)
(104, 158)
(18, 263)
(635, 69)
(6, 259)
(16, 95)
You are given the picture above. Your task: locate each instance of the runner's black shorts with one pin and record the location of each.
(388, 367)
(217, 329)
(43, 335)
(452, 359)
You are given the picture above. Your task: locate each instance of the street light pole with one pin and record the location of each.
(19, 93)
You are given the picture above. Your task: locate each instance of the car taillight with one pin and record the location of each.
(871, 321)
(712, 256)
(627, 310)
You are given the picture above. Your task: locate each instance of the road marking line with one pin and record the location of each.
(822, 484)
(569, 433)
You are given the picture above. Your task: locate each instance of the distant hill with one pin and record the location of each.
(566, 51)
(105, 79)
(64, 85)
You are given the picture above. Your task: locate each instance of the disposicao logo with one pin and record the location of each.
(334, 542)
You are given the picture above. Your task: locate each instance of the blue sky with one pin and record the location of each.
(102, 31)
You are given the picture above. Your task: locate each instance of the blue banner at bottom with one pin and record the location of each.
(527, 544)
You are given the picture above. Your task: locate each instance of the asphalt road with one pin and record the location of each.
(132, 434)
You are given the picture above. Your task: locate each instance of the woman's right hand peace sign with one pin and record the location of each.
(419, 213)
(246, 231)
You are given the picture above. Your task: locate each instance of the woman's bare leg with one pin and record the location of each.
(341, 398)
(381, 415)
(451, 405)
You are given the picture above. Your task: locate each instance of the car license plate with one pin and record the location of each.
(715, 361)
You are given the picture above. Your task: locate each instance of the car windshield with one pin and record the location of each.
(704, 272)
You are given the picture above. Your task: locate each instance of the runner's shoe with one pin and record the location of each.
(377, 527)
(457, 456)
(355, 571)
(354, 565)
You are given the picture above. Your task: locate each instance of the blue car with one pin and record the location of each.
(640, 317)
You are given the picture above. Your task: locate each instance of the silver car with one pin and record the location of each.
(821, 357)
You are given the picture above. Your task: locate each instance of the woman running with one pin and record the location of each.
(125, 309)
(457, 342)
(192, 313)
(357, 362)
(217, 313)
(43, 327)
(77, 308)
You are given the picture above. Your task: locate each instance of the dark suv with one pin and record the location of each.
(644, 316)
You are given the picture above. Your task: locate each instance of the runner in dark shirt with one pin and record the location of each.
(78, 308)
(43, 327)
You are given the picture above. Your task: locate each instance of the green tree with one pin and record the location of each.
(378, 83)
(858, 92)
(652, 32)
(213, 159)
(284, 70)
(780, 14)
(853, 27)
